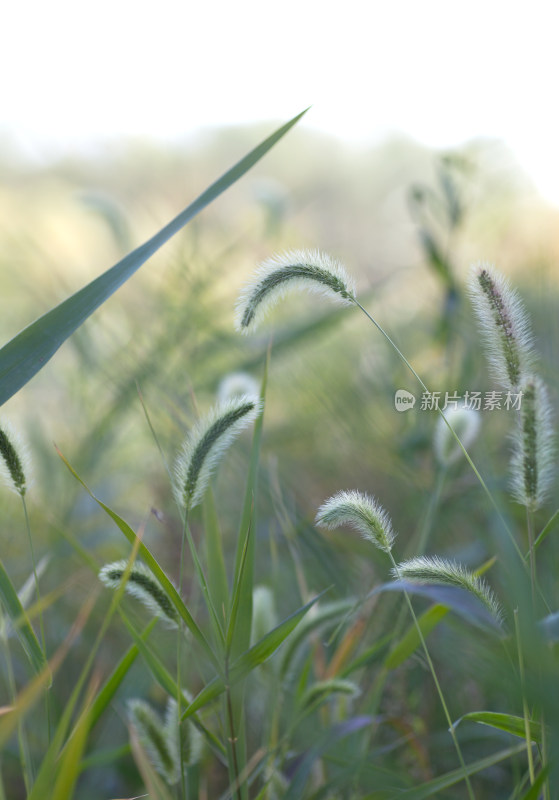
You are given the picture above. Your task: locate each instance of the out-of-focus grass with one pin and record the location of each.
(330, 418)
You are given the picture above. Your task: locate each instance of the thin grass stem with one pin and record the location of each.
(40, 605)
(525, 709)
(232, 736)
(437, 685)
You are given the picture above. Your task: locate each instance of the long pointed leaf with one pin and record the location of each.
(504, 722)
(23, 356)
(432, 788)
(248, 661)
(20, 622)
(116, 677)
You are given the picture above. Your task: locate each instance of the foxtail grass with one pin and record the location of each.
(139, 582)
(504, 325)
(367, 516)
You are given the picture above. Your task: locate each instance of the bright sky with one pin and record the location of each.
(442, 71)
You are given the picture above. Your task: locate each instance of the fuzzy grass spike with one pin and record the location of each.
(159, 741)
(291, 271)
(532, 464)
(205, 445)
(140, 584)
(359, 511)
(14, 460)
(432, 569)
(504, 325)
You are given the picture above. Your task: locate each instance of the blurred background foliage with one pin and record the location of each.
(407, 223)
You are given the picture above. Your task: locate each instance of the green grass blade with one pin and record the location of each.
(545, 531)
(328, 614)
(236, 599)
(409, 643)
(457, 599)
(69, 761)
(535, 791)
(152, 563)
(268, 645)
(432, 788)
(245, 581)
(217, 575)
(20, 622)
(116, 677)
(504, 722)
(249, 660)
(23, 356)
(164, 678)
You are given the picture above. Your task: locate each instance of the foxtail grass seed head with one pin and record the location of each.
(504, 325)
(532, 464)
(291, 271)
(359, 511)
(191, 741)
(159, 741)
(14, 460)
(432, 569)
(205, 445)
(237, 384)
(466, 423)
(141, 584)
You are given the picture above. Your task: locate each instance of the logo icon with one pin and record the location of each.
(403, 400)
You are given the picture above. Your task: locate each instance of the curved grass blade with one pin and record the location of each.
(23, 356)
(116, 677)
(164, 678)
(153, 564)
(545, 531)
(69, 762)
(249, 660)
(20, 622)
(329, 614)
(432, 788)
(504, 722)
(459, 600)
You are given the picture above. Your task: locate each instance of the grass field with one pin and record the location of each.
(297, 662)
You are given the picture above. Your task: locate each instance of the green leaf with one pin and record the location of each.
(535, 791)
(328, 614)
(249, 660)
(68, 766)
(244, 556)
(168, 683)
(23, 356)
(152, 563)
(20, 622)
(545, 531)
(217, 574)
(459, 600)
(116, 677)
(504, 722)
(409, 643)
(432, 788)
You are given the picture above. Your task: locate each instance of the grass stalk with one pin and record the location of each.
(39, 604)
(525, 709)
(437, 686)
